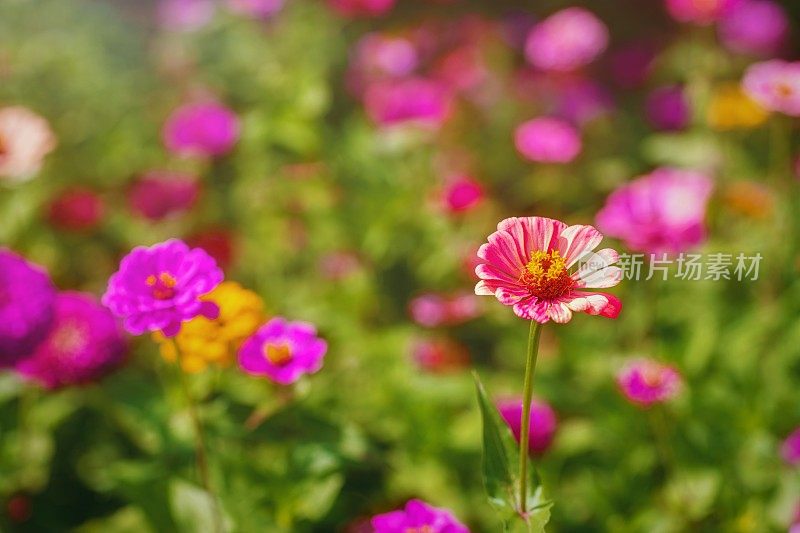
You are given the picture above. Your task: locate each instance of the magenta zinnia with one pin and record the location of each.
(527, 264)
(158, 288)
(84, 344)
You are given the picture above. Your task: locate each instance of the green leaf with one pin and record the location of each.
(497, 453)
(192, 507)
(500, 458)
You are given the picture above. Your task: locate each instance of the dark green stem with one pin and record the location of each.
(527, 397)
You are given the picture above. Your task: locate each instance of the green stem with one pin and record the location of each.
(527, 397)
(201, 451)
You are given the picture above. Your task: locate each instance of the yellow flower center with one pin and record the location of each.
(278, 354)
(652, 375)
(784, 90)
(546, 275)
(163, 285)
(69, 338)
(423, 529)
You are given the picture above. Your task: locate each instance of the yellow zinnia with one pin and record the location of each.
(730, 108)
(202, 341)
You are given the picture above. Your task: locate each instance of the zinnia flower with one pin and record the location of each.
(566, 40)
(84, 344)
(668, 108)
(76, 209)
(700, 11)
(25, 139)
(774, 84)
(757, 27)
(185, 15)
(663, 211)
(158, 194)
(526, 265)
(201, 129)
(462, 194)
(418, 516)
(432, 310)
(440, 356)
(158, 288)
(203, 341)
(542, 426)
(27, 297)
(412, 100)
(362, 8)
(730, 108)
(548, 140)
(256, 8)
(283, 351)
(646, 382)
(790, 449)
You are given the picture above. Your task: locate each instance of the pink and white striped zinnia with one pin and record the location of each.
(527, 264)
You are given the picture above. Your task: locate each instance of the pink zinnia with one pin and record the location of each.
(526, 265)
(462, 194)
(283, 351)
(384, 55)
(790, 449)
(700, 11)
(158, 288)
(418, 516)
(201, 129)
(758, 27)
(646, 382)
(76, 209)
(413, 100)
(84, 344)
(663, 211)
(362, 8)
(548, 140)
(775, 85)
(566, 40)
(159, 194)
(542, 426)
(256, 8)
(25, 139)
(185, 15)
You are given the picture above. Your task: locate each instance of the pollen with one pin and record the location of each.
(278, 354)
(163, 285)
(546, 275)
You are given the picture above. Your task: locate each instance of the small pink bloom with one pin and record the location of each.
(542, 426)
(790, 449)
(440, 356)
(774, 84)
(462, 194)
(646, 382)
(462, 69)
(526, 265)
(566, 40)
(384, 55)
(663, 211)
(76, 209)
(25, 139)
(667, 108)
(362, 8)
(700, 11)
(218, 242)
(548, 140)
(757, 27)
(429, 310)
(414, 100)
(418, 516)
(256, 8)
(339, 265)
(185, 15)
(157, 195)
(283, 351)
(201, 129)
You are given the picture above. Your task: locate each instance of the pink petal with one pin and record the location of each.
(532, 309)
(576, 240)
(560, 313)
(594, 303)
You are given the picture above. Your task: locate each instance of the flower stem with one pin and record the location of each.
(201, 452)
(527, 397)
